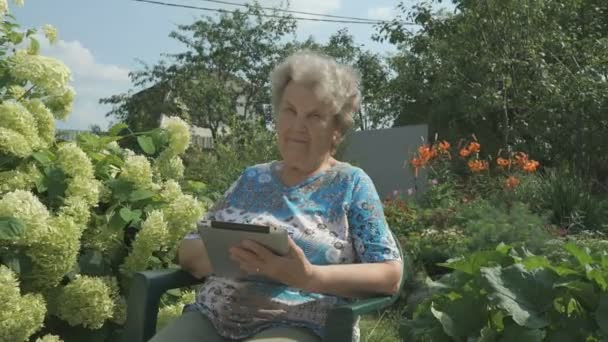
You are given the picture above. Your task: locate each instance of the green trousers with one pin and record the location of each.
(193, 326)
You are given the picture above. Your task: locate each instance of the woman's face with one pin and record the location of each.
(306, 128)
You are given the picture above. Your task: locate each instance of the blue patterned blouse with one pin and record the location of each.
(335, 216)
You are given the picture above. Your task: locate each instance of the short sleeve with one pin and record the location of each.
(372, 237)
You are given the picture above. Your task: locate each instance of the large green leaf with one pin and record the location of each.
(147, 144)
(56, 185)
(473, 263)
(121, 189)
(598, 276)
(462, 317)
(18, 261)
(581, 254)
(516, 333)
(91, 262)
(10, 228)
(601, 314)
(116, 129)
(141, 194)
(525, 295)
(129, 215)
(583, 291)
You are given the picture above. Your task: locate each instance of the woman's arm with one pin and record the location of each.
(192, 257)
(294, 270)
(356, 280)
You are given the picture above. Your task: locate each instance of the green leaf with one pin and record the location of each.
(601, 314)
(129, 215)
(147, 144)
(19, 262)
(11, 228)
(461, 318)
(43, 157)
(56, 186)
(598, 276)
(121, 189)
(91, 262)
(525, 295)
(471, 264)
(579, 253)
(116, 129)
(516, 333)
(488, 335)
(175, 292)
(584, 291)
(116, 222)
(140, 194)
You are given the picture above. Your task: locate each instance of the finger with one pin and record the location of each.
(262, 252)
(294, 249)
(244, 256)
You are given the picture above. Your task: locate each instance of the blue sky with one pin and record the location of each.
(100, 40)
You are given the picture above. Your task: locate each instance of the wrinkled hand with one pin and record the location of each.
(293, 269)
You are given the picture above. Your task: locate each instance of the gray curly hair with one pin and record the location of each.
(337, 85)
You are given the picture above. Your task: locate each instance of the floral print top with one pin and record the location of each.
(335, 216)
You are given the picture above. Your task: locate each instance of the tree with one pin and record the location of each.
(526, 74)
(225, 68)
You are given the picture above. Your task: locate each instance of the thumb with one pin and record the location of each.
(294, 249)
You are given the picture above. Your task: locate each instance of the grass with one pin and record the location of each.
(380, 327)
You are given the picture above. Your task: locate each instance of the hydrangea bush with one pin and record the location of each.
(77, 219)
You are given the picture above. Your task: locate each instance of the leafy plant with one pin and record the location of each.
(510, 294)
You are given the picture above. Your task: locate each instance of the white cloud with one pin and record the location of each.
(92, 80)
(82, 62)
(381, 13)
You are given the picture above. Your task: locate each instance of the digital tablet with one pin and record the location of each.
(219, 236)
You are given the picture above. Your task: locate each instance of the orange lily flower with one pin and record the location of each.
(531, 166)
(444, 146)
(521, 159)
(478, 165)
(502, 162)
(464, 152)
(474, 147)
(511, 182)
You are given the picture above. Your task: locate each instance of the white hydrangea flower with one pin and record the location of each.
(169, 166)
(21, 316)
(14, 143)
(13, 115)
(45, 122)
(16, 92)
(170, 191)
(61, 105)
(151, 237)
(85, 188)
(85, 301)
(49, 338)
(45, 73)
(24, 177)
(137, 169)
(23, 205)
(3, 7)
(179, 134)
(181, 216)
(73, 161)
(50, 33)
(55, 254)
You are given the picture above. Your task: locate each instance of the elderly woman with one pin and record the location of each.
(340, 244)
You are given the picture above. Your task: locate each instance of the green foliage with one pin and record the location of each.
(526, 74)
(488, 224)
(248, 144)
(567, 197)
(509, 294)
